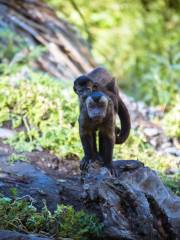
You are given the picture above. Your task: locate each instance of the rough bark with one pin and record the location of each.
(136, 205)
(12, 235)
(67, 54)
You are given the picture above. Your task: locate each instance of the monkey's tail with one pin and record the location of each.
(125, 123)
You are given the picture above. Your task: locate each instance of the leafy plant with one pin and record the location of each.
(40, 108)
(15, 51)
(17, 157)
(137, 40)
(21, 215)
(171, 120)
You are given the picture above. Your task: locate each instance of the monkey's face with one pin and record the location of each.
(83, 86)
(97, 105)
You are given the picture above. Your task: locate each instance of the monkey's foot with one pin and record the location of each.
(84, 163)
(112, 170)
(98, 158)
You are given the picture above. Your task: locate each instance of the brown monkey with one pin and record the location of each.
(97, 114)
(100, 83)
(100, 79)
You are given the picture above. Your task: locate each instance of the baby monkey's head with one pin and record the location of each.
(83, 86)
(97, 106)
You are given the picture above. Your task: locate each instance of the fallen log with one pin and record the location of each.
(135, 205)
(13, 235)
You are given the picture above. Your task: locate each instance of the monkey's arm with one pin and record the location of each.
(87, 140)
(125, 122)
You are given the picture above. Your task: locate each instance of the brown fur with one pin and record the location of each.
(101, 80)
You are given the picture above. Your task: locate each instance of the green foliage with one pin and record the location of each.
(137, 40)
(159, 81)
(15, 51)
(171, 121)
(7, 46)
(44, 110)
(77, 224)
(17, 157)
(21, 215)
(172, 182)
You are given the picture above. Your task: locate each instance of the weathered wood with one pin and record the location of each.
(136, 205)
(12, 235)
(67, 54)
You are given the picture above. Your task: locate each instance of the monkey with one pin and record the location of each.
(97, 116)
(101, 80)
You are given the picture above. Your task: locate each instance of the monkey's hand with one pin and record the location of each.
(112, 170)
(84, 163)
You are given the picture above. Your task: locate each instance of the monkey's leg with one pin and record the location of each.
(88, 147)
(96, 156)
(106, 150)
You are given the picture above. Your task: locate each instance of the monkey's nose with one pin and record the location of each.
(96, 96)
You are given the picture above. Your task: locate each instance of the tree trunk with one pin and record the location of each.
(67, 54)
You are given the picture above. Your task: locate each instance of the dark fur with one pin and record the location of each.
(100, 80)
(88, 128)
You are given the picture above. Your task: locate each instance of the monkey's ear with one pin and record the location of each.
(111, 86)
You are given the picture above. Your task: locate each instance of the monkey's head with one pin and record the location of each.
(97, 106)
(83, 86)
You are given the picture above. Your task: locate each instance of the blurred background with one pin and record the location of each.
(139, 41)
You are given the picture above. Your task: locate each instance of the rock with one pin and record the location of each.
(6, 133)
(150, 132)
(142, 117)
(136, 205)
(12, 235)
(174, 151)
(29, 181)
